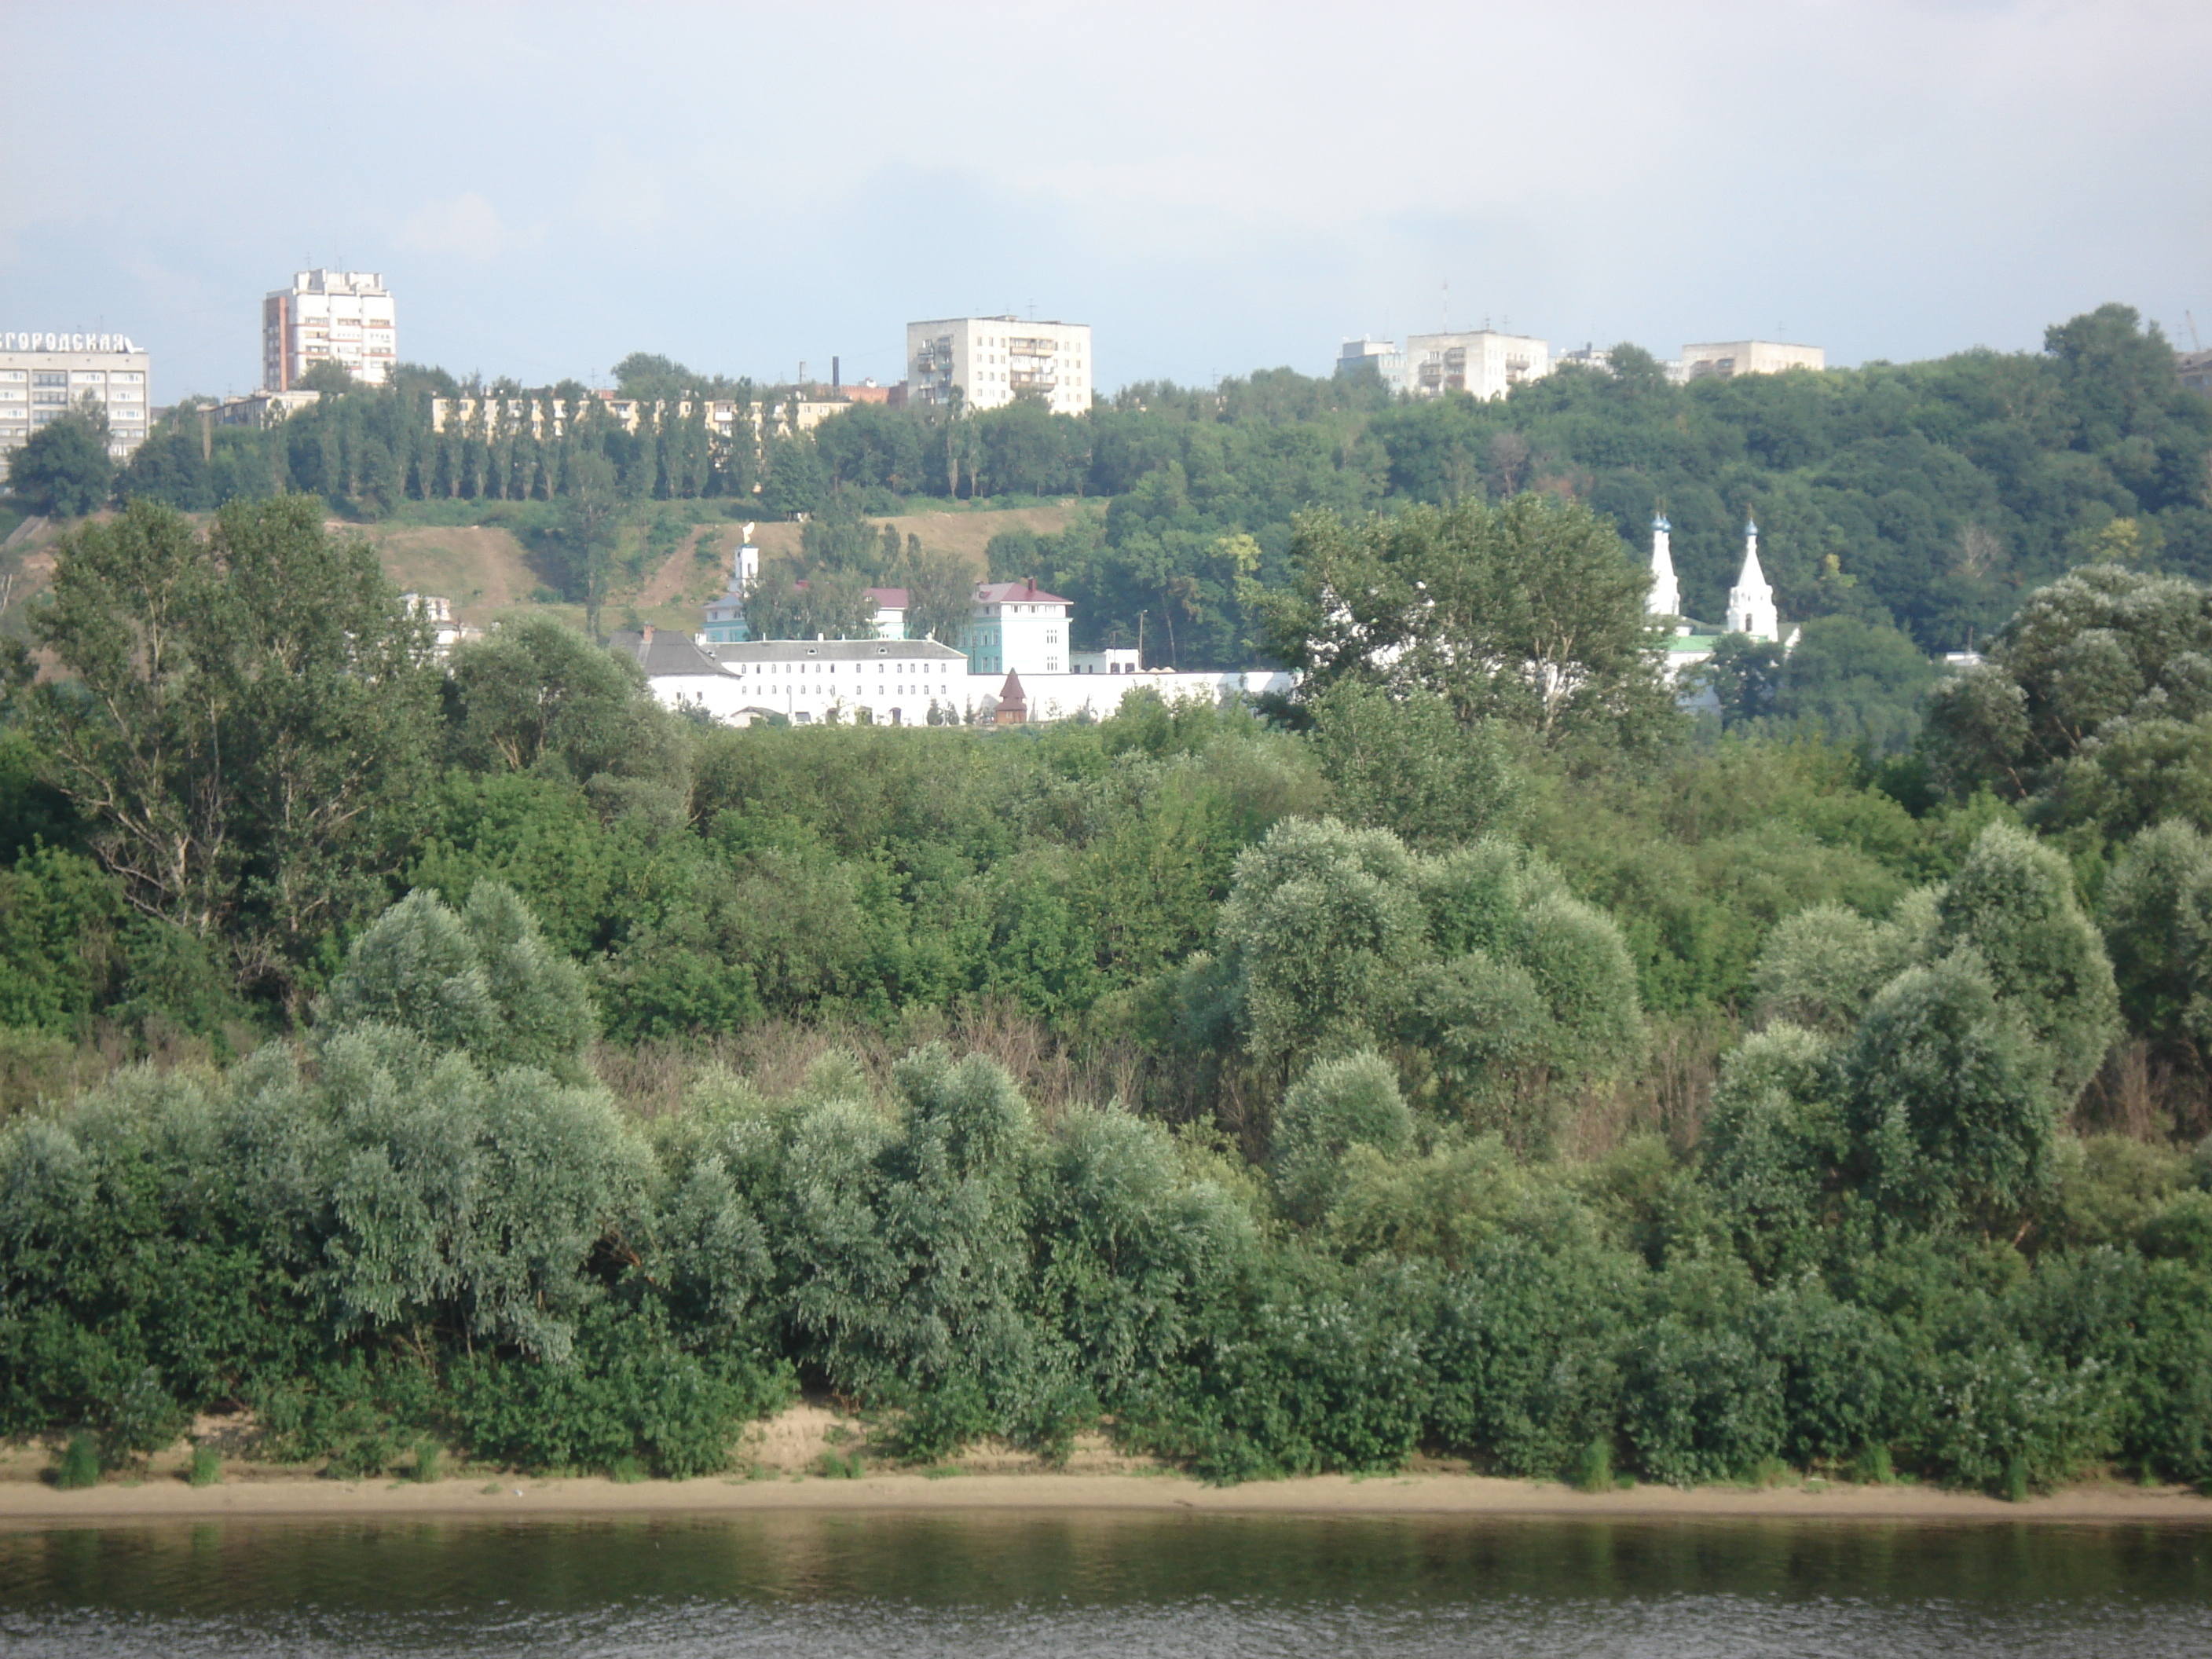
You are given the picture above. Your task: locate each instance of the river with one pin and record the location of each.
(1118, 1586)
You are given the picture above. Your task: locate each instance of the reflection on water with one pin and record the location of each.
(1126, 1586)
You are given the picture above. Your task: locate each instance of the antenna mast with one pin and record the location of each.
(2195, 344)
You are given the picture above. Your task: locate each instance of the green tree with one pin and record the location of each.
(1320, 928)
(940, 592)
(1948, 1100)
(591, 525)
(2012, 906)
(2157, 916)
(243, 711)
(1776, 1143)
(536, 695)
(1745, 677)
(63, 469)
(1854, 681)
(1405, 763)
(1531, 612)
(2094, 699)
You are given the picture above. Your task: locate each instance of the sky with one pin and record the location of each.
(1214, 188)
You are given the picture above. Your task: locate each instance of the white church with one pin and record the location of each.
(1751, 610)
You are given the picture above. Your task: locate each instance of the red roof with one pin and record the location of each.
(1026, 591)
(886, 599)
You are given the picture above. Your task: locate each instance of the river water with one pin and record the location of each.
(1126, 1586)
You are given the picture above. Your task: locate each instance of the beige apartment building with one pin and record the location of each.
(328, 316)
(1723, 359)
(1483, 364)
(546, 417)
(993, 360)
(44, 375)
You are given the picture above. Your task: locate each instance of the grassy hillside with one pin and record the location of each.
(488, 568)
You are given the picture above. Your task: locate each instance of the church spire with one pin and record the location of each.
(1666, 597)
(1751, 601)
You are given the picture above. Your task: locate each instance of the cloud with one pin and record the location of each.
(467, 225)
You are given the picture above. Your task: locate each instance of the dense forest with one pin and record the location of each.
(1472, 1056)
(1927, 497)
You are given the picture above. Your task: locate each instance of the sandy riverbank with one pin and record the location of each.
(786, 1455)
(33, 1503)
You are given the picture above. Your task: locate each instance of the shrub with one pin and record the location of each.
(79, 1467)
(1337, 1105)
(1776, 1143)
(626, 1390)
(2005, 1418)
(1700, 1405)
(1525, 1344)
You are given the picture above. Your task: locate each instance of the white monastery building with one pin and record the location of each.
(1018, 668)
(993, 360)
(46, 375)
(808, 681)
(1017, 628)
(328, 316)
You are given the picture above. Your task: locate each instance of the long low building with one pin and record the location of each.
(1071, 697)
(892, 683)
(883, 682)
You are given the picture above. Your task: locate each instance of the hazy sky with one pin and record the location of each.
(1214, 188)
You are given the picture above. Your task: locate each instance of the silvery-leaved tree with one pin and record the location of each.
(483, 983)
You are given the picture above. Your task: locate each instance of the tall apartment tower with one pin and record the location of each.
(993, 360)
(328, 316)
(44, 376)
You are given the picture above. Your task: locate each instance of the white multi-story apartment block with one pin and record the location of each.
(1723, 359)
(328, 316)
(1483, 364)
(1018, 627)
(46, 375)
(1380, 358)
(994, 360)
